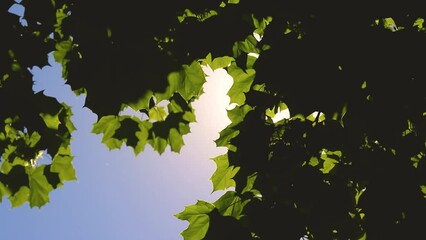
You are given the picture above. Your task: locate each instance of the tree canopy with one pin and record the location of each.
(349, 163)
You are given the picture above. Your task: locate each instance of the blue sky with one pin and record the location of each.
(119, 195)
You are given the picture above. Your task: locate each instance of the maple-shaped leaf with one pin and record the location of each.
(236, 115)
(222, 177)
(231, 204)
(142, 134)
(187, 82)
(143, 103)
(198, 220)
(218, 62)
(242, 83)
(20, 197)
(225, 137)
(39, 187)
(62, 164)
(52, 121)
(108, 125)
(4, 191)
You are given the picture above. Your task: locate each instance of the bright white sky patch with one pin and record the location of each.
(281, 114)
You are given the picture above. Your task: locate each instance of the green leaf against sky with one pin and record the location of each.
(20, 197)
(158, 142)
(218, 62)
(175, 140)
(107, 126)
(142, 102)
(315, 52)
(242, 83)
(249, 45)
(225, 137)
(4, 191)
(230, 204)
(39, 187)
(236, 115)
(157, 113)
(51, 121)
(198, 219)
(142, 134)
(187, 82)
(62, 164)
(222, 178)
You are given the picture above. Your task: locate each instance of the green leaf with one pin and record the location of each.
(250, 183)
(33, 139)
(108, 125)
(175, 140)
(20, 197)
(201, 207)
(188, 82)
(62, 164)
(51, 121)
(221, 62)
(225, 137)
(242, 83)
(331, 158)
(237, 114)
(158, 143)
(419, 24)
(4, 191)
(67, 118)
(423, 189)
(197, 229)
(157, 113)
(223, 176)
(39, 187)
(142, 136)
(143, 102)
(230, 204)
(189, 116)
(60, 54)
(198, 220)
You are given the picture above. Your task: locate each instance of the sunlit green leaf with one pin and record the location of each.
(250, 183)
(4, 191)
(237, 114)
(157, 113)
(197, 229)
(20, 197)
(223, 176)
(176, 140)
(107, 126)
(201, 207)
(188, 82)
(39, 187)
(158, 143)
(143, 102)
(198, 219)
(142, 136)
(52, 121)
(230, 204)
(62, 164)
(242, 83)
(225, 136)
(221, 62)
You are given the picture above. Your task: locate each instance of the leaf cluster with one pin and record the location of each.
(348, 163)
